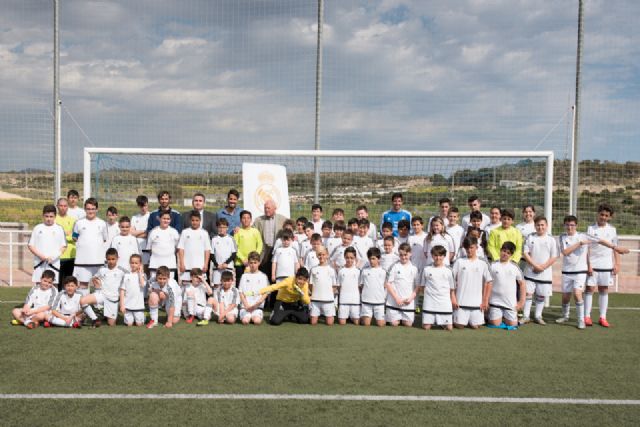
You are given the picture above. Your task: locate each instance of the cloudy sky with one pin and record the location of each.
(401, 75)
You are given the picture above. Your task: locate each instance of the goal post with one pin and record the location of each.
(508, 179)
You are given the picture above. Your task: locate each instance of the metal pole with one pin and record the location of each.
(57, 103)
(10, 258)
(572, 184)
(316, 166)
(573, 209)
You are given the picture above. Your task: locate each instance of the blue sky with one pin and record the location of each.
(402, 75)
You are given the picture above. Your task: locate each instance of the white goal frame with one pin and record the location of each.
(548, 156)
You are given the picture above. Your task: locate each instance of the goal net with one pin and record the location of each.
(337, 179)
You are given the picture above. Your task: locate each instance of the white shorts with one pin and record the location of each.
(393, 315)
(85, 273)
(110, 310)
(233, 312)
(571, 282)
(177, 307)
(466, 316)
(540, 289)
(496, 313)
(133, 316)
(600, 278)
(326, 309)
(257, 312)
(436, 318)
(37, 272)
(371, 310)
(349, 311)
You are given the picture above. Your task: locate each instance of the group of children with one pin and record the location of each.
(462, 276)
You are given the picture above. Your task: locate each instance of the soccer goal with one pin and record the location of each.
(336, 179)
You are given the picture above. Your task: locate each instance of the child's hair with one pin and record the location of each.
(387, 225)
(73, 193)
(49, 209)
(363, 222)
(540, 218)
(509, 247)
(302, 219)
(389, 239)
(396, 196)
(245, 212)
(111, 252)
(222, 222)
(339, 226)
(469, 241)
(163, 271)
(287, 235)
(350, 250)
(135, 256)
(253, 256)
(327, 224)
(475, 215)
(302, 272)
(405, 247)
(49, 274)
(570, 218)
(338, 211)
(524, 208)
(315, 237)
(454, 209)
(507, 212)
(288, 223)
(316, 206)
(226, 276)
(348, 232)
(438, 250)
(70, 279)
(163, 193)
(91, 201)
(472, 198)
(194, 214)
(196, 272)
(166, 212)
(362, 208)
(606, 208)
(433, 221)
(112, 210)
(444, 200)
(417, 219)
(373, 252)
(124, 218)
(352, 221)
(142, 200)
(309, 225)
(403, 223)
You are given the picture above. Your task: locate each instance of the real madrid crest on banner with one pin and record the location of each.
(262, 182)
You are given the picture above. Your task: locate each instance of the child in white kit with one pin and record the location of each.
(471, 275)
(227, 298)
(285, 260)
(389, 255)
(362, 242)
(250, 284)
(349, 291)
(336, 240)
(47, 243)
(401, 281)
(132, 292)
(311, 259)
(323, 284)
(166, 291)
(66, 311)
(223, 252)
(125, 243)
(106, 282)
(500, 296)
(455, 230)
(199, 298)
(438, 287)
(162, 242)
(540, 251)
(38, 303)
(337, 256)
(438, 236)
(194, 248)
(416, 240)
(112, 225)
(373, 292)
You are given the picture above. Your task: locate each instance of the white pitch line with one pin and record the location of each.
(327, 397)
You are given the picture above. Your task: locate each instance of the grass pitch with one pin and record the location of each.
(556, 361)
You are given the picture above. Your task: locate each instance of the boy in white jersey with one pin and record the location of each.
(437, 284)
(404, 228)
(66, 310)
(311, 259)
(250, 284)
(455, 230)
(500, 295)
(401, 281)
(227, 298)
(389, 255)
(574, 248)
(74, 210)
(416, 240)
(471, 275)
(162, 242)
(165, 290)
(287, 225)
(90, 234)
(349, 291)
(362, 242)
(540, 251)
(125, 243)
(194, 248)
(336, 240)
(305, 246)
(132, 292)
(604, 263)
(139, 224)
(363, 213)
(300, 235)
(373, 292)
(337, 256)
(322, 284)
(107, 282)
(38, 303)
(47, 243)
(327, 232)
(285, 260)
(112, 225)
(199, 297)
(223, 252)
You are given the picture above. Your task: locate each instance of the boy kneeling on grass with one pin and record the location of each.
(38, 303)
(500, 294)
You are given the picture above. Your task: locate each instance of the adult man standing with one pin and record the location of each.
(269, 225)
(395, 214)
(231, 212)
(475, 204)
(164, 202)
(207, 219)
(68, 257)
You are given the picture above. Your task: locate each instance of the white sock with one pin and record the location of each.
(539, 307)
(207, 312)
(191, 306)
(565, 310)
(59, 322)
(604, 304)
(526, 311)
(88, 310)
(153, 313)
(580, 310)
(588, 301)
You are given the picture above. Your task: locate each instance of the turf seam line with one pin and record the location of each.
(326, 397)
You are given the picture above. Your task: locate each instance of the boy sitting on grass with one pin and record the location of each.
(38, 302)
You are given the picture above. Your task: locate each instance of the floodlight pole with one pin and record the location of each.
(57, 104)
(573, 182)
(316, 166)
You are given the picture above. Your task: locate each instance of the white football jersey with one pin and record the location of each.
(418, 258)
(195, 244)
(139, 222)
(67, 305)
(576, 261)
(387, 260)
(48, 239)
(162, 244)
(466, 221)
(322, 279)
(372, 281)
(222, 247)
(457, 234)
(349, 292)
(444, 240)
(253, 282)
(285, 259)
(362, 245)
(227, 297)
(110, 281)
(311, 260)
(90, 235)
(540, 249)
(526, 228)
(404, 278)
(133, 291)
(470, 277)
(126, 246)
(438, 283)
(601, 257)
(504, 290)
(38, 297)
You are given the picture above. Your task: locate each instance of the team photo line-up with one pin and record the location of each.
(228, 266)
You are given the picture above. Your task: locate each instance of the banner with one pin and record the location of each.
(261, 182)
